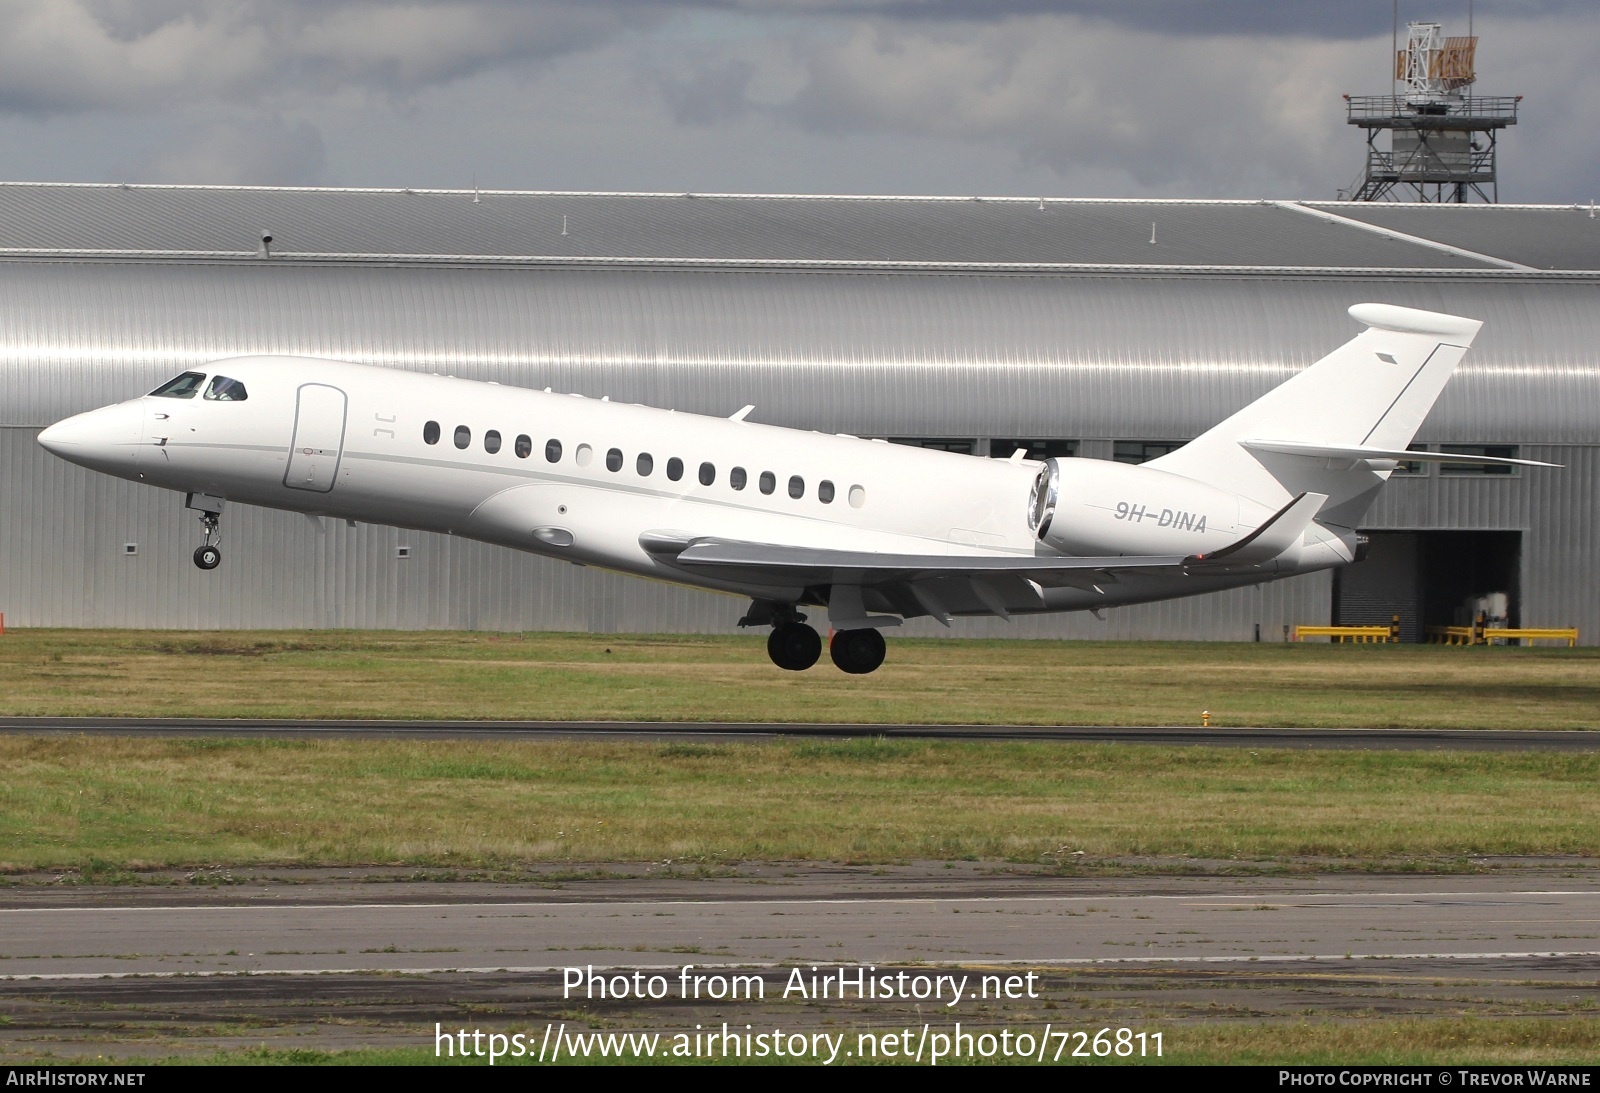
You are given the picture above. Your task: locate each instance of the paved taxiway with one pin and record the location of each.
(1182, 921)
(1357, 739)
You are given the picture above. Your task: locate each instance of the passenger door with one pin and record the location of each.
(318, 438)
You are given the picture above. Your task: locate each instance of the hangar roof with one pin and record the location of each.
(227, 222)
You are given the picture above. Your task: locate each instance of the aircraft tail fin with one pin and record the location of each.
(1373, 392)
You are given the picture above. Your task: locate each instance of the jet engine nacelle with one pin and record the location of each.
(1095, 507)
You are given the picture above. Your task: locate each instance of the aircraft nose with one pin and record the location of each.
(105, 439)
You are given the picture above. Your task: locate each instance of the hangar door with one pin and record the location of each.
(1431, 578)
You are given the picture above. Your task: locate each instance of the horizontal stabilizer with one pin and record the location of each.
(1283, 532)
(1399, 455)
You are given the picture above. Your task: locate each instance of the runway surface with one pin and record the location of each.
(333, 960)
(1183, 921)
(1354, 739)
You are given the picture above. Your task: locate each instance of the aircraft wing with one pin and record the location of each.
(942, 585)
(788, 565)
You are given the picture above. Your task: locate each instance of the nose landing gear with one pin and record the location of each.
(208, 555)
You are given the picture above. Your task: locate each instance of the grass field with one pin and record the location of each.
(105, 804)
(350, 674)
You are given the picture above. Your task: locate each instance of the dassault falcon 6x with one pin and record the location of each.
(869, 532)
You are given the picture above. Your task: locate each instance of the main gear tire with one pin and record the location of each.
(858, 652)
(794, 646)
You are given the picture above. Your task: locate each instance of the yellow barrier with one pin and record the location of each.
(1373, 634)
(1488, 635)
(1492, 634)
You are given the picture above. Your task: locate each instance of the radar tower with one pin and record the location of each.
(1442, 137)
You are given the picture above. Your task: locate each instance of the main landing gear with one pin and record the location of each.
(794, 646)
(857, 651)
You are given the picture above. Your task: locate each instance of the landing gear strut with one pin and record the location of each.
(857, 652)
(208, 555)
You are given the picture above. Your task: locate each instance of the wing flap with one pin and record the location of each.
(812, 565)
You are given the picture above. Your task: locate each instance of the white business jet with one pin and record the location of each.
(869, 532)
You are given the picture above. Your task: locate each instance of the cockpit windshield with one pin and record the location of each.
(185, 386)
(223, 389)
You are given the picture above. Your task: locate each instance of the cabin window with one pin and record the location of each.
(584, 455)
(223, 389)
(524, 446)
(552, 451)
(614, 459)
(769, 482)
(858, 496)
(644, 464)
(430, 433)
(797, 487)
(463, 436)
(674, 468)
(825, 492)
(185, 386)
(737, 478)
(491, 441)
(708, 474)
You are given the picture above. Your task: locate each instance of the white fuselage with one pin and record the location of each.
(587, 479)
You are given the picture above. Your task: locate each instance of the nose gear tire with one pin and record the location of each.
(207, 557)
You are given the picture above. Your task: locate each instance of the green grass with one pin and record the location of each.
(351, 674)
(101, 805)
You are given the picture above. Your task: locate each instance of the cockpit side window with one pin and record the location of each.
(185, 386)
(223, 389)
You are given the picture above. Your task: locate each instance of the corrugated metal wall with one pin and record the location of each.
(1094, 357)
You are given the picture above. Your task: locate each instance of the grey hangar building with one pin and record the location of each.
(1112, 329)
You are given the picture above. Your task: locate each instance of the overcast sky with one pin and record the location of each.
(1110, 98)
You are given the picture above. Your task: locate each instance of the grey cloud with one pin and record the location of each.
(64, 55)
(1223, 117)
(1262, 18)
(263, 150)
(708, 89)
(1073, 94)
